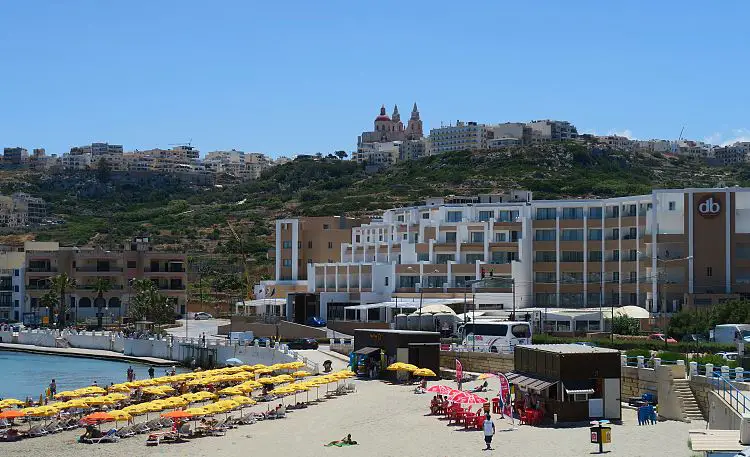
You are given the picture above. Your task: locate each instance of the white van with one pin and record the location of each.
(732, 333)
(495, 336)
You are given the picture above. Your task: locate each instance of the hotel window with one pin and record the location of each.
(615, 276)
(477, 237)
(471, 259)
(544, 235)
(131, 264)
(309, 244)
(572, 277)
(356, 238)
(545, 277)
(709, 271)
(400, 218)
(615, 234)
(386, 281)
(595, 213)
(325, 226)
(545, 214)
(485, 216)
(444, 258)
(507, 216)
(503, 257)
(287, 262)
(286, 245)
(450, 237)
(571, 256)
(572, 213)
(299, 244)
(614, 211)
(632, 255)
(545, 256)
(595, 234)
(454, 216)
(425, 215)
(632, 234)
(423, 257)
(330, 245)
(572, 235)
(672, 206)
(594, 277)
(633, 277)
(501, 237)
(595, 256)
(615, 255)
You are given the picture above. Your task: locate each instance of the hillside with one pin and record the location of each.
(181, 215)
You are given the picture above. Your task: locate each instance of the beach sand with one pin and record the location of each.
(386, 420)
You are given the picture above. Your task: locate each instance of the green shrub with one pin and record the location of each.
(638, 352)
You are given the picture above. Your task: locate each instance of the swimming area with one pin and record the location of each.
(25, 374)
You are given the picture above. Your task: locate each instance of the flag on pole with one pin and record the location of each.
(505, 395)
(459, 371)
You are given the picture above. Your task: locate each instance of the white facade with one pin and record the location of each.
(463, 136)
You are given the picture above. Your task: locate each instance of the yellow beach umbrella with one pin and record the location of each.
(95, 390)
(67, 394)
(424, 372)
(118, 396)
(301, 374)
(118, 388)
(242, 400)
(10, 402)
(120, 415)
(198, 411)
(395, 366)
(230, 391)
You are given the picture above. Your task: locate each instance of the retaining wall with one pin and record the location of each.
(478, 362)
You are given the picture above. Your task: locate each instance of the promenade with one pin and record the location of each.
(85, 353)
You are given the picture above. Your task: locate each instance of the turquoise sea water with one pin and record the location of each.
(23, 374)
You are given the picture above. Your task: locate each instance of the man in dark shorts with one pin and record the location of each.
(489, 431)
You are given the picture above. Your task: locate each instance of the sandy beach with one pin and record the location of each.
(386, 420)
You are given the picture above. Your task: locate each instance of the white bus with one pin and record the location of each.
(495, 336)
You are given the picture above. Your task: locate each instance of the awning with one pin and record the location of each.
(366, 350)
(578, 387)
(529, 381)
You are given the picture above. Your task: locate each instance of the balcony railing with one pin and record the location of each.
(42, 269)
(93, 287)
(171, 287)
(94, 269)
(164, 270)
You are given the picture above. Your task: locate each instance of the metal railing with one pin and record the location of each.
(736, 399)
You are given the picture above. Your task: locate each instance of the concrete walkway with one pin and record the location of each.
(85, 353)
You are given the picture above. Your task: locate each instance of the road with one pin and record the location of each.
(196, 328)
(338, 362)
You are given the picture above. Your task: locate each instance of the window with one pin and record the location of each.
(595, 256)
(615, 276)
(503, 257)
(299, 244)
(545, 256)
(408, 281)
(400, 218)
(425, 215)
(632, 255)
(632, 234)
(615, 255)
(450, 237)
(545, 277)
(572, 235)
(423, 257)
(287, 262)
(572, 213)
(521, 331)
(507, 216)
(615, 234)
(286, 245)
(132, 264)
(485, 216)
(477, 237)
(571, 256)
(615, 211)
(15, 288)
(454, 216)
(330, 245)
(386, 281)
(594, 277)
(544, 235)
(575, 277)
(473, 258)
(501, 237)
(672, 206)
(356, 238)
(709, 272)
(444, 258)
(595, 213)
(545, 299)
(633, 277)
(595, 234)
(544, 214)
(486, 329)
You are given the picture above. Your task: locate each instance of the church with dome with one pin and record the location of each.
(390, 141)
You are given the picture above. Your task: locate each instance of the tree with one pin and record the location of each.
(49, 300)
(101, 286)
(103, 170)
(341, 154)
(148, 304)
(625, 325)
(60, 285)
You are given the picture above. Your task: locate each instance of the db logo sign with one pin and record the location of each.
(709, 206)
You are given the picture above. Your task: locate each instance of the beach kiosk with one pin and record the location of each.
(569, 382)
(409, 346)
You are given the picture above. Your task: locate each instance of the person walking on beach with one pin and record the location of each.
(151, 372)
(489, 431)
(52, 388)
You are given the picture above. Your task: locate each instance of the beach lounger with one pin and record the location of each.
(351, 388)
(37, 430)
(216, 431)
(141, 428)
(247, 419)
(165, 422)
(109, 437)
(126, 432)
(54, 427)
(69, 424)
(183, 432)
(4, 424)
(154, 425)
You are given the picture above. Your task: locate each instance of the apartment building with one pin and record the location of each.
(97, 149)
(460, 137)
(733, 154)
(15, 156)
(660, 251)
(88, 264)
(550, 130)
(21, 210)
(11, 285)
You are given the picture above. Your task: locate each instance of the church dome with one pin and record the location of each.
(382, 116)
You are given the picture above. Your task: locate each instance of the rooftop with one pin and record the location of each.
(569, 349)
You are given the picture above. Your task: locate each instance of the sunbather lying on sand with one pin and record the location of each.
(343, 442)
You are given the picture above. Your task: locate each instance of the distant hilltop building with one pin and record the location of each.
(21, 210)
(389, 141)
(97, 149)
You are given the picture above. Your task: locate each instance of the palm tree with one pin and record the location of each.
(101, 286)
(49, 300)
(61, 284)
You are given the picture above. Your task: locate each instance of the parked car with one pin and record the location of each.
(264, 342)
(316, 321)
(660, 337)
(732, 356)
(199, 316)
(303, 343)
(694, 338)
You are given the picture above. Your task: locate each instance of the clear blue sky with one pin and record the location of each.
(301, 77)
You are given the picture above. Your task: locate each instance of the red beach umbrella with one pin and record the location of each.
(467, 398)
(443, 390)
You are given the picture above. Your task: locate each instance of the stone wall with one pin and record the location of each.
(287, 330)
(478, 362)
(700, 387)
(638, 381)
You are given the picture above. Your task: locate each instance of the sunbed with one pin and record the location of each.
(109, 437)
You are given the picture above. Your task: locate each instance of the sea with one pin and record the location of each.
(25, 374)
